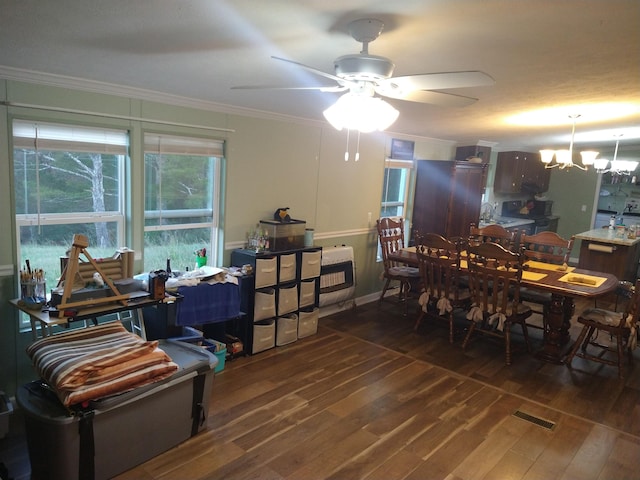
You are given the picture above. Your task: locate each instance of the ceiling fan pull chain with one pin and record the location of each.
(346, 153)
(358, 147)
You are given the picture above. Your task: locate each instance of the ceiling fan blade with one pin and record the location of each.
(332, 89)
(439, 81)
(441, 99)
(341, 81)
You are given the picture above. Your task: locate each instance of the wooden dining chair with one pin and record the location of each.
(493, 233)
(439, 265)
(545, 247)
(495, 274)
(620, 330)
(391, 237)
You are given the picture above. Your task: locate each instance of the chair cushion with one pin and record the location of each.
(602, 316)
(403, 271)
(531, 295)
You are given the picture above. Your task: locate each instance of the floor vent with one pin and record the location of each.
(538, 421)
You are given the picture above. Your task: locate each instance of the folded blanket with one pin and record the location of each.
(92, 363)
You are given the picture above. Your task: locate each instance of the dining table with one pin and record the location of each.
(564, 283)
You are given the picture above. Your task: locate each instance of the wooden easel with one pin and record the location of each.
(71, 272)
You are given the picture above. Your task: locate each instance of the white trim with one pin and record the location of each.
(7, 270)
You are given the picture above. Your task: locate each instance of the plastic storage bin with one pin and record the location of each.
(189, 335)
(219, 349)
(284, 235)
(121, 431)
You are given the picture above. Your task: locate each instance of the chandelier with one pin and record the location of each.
(620, 167)
(564, 158)
(361, 111)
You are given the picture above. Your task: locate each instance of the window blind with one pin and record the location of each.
(71, 138)
(169, 144)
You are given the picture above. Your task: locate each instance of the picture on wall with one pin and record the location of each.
(402, 149)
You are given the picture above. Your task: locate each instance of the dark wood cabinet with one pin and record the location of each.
(520, 172)
(448, 196)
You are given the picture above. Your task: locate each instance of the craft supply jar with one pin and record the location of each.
(34, 289)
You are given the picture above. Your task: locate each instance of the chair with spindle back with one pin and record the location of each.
(621, 328)
(544, 247)
(439, 264)
(495, 274)
(391, 237)
(493, 233)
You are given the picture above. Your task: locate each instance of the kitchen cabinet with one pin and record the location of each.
(520, 172)
(448, 196)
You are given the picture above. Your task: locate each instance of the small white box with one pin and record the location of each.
(265, 304)
(307, 293)
(266, 272)
(308, 322)
(264, 335)
(287, 267)
(287, 329)
(287, 299)
(311, 262)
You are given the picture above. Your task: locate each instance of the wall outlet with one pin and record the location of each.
(583, 208)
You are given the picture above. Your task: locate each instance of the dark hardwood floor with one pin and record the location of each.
(369, 398)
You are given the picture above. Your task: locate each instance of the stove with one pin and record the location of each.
(541, 223)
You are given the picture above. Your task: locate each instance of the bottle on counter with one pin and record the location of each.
(612, 222)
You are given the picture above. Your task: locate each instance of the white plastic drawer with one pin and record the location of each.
(286, 329)
(287, 299)
(265, 304)
(310, 264)
(287, 267)
(308, 322)
(264, 336)
(266, 272)
(307, 293)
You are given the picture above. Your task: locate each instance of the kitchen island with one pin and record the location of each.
(604, 250)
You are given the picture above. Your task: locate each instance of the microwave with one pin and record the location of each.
(541, 208)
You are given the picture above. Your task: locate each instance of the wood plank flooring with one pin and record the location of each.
(369, 398)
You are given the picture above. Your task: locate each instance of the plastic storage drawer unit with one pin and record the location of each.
(119, 432)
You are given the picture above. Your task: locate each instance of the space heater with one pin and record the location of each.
(337, 271)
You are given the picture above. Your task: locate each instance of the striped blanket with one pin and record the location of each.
(91, 363)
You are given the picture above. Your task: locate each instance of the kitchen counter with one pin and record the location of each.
(604, 235)
(507, 222)
(602, 250)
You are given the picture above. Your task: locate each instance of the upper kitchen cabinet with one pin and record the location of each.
(448, 196)
(520, 172)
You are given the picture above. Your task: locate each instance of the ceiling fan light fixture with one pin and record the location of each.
(361, 112)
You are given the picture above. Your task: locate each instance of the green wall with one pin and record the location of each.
(270, 163)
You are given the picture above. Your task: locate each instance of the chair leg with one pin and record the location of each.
(525, 334)
(621, 346)
(451, 328)
(468, 335)
(575, 346)
(384, 290)
(419, 321)
(507, 344)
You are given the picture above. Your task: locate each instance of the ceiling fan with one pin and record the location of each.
(368, 75)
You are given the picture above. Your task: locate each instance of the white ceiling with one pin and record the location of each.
(572, 56)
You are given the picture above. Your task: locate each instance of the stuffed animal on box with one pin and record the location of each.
(281, 215)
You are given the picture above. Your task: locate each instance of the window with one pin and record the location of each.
(68, 180)
(182, 200)
(395, 188)
(395, 191)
